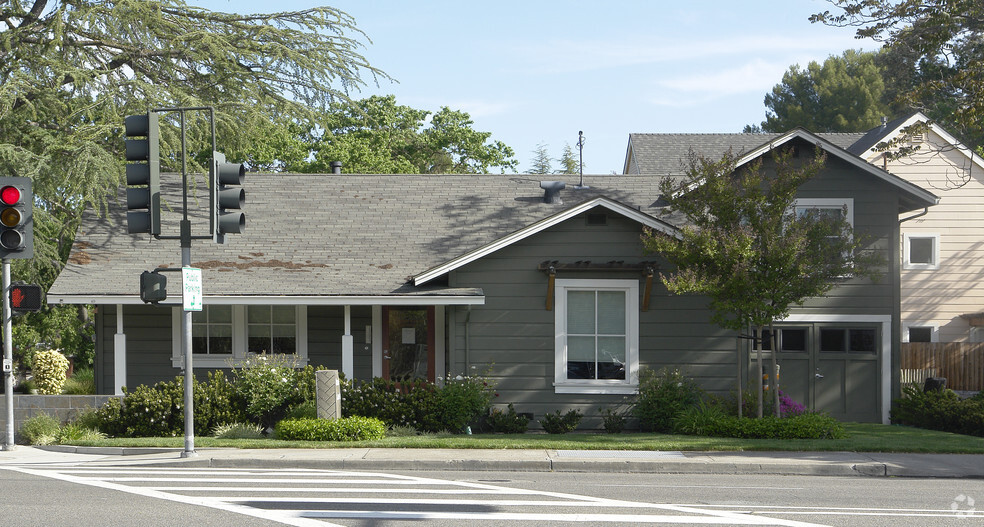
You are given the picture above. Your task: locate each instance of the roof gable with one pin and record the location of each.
(894, 129)
(546, 223)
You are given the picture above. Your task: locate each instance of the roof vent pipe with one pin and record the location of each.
(336, 167)
(552, 190)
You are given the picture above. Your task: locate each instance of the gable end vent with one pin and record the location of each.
(597, 220)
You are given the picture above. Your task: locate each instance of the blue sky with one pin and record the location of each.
(538, 71)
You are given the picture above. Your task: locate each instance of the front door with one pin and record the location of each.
(408, 343)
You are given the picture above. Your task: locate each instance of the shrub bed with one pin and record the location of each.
(663, 395)
(419, 404)
(712, 421)
(345, 429)
(941, 410)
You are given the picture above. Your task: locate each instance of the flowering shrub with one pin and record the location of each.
(155, 411)
(788, 407)
(268, 386)
(419, 404)
(50, 369)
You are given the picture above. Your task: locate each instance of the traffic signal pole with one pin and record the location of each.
(8, 357)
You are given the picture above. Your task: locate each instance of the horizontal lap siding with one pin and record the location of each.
(513, 333)
(940, 296)
(148, 346)
(875, 221)
(326, 325)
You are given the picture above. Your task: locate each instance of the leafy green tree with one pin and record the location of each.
(941, 41)
(844, 94)
(746, 248)
(540, 164)
(377, 136)
(70, 71)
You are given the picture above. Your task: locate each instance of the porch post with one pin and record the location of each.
(348, 346)
(119, 353)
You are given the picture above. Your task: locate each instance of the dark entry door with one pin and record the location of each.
(408, 343)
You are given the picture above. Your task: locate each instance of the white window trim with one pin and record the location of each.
(935, 336)
(906, 247)
(828, 203)
(599, 386)
(238, 340)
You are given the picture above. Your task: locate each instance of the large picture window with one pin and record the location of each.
(597, 336)
(222, 335)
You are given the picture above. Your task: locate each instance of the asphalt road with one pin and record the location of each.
(86, 494)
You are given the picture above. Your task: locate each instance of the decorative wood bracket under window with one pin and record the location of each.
(552, 267)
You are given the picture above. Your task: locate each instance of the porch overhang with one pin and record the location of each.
(460, 297)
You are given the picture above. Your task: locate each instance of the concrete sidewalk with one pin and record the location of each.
(655, 462)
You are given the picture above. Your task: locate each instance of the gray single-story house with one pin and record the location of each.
(426, 276)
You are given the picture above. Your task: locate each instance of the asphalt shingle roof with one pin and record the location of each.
(334, 234)
(666, 154)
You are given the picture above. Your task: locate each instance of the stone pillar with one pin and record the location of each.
(328, 394)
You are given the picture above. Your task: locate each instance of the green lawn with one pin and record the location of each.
(863, 437)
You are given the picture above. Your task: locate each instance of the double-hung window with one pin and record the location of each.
(223, 335)
(597, 336)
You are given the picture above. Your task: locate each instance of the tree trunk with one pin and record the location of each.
(758, 371)
(774, 378)
(741, 396)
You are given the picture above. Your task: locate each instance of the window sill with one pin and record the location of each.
(224, 362)
(623, 389)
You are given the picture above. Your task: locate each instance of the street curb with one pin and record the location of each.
(108, 451)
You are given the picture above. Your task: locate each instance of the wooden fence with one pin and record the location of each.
(962, 363)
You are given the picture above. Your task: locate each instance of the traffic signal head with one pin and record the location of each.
(143, 174)
(153, 287)
(26, 297)
(228, 197)
(16, 218)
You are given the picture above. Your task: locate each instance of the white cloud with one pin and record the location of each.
(757, 76)
(573, 56)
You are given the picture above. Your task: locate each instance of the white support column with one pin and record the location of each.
(377, 341)
(440, 348)
(348, 346)
(119, 353)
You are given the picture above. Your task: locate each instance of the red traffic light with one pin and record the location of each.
(25, 297)
(10, 195)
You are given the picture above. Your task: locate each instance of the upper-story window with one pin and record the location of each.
(921, 251)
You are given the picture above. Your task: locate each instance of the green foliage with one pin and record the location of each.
(238, 431)
(664, 394)
(269, 385)
(419, 404)
(159, 410)
(710, 420)
(556, 423)
(72, 70)
(934, 52)
(42, 429)
(613, 420)
(377, 136)
(540, 162)
(507, 422)
(746, 248)
(347, 429)
(69, 328)
(304, 410)
(844, 94)
(50, 368)
(939, 410)
(82, 382)
(76, 432)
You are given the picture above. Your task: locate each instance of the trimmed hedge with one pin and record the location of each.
(711, 421)
(345, 429)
